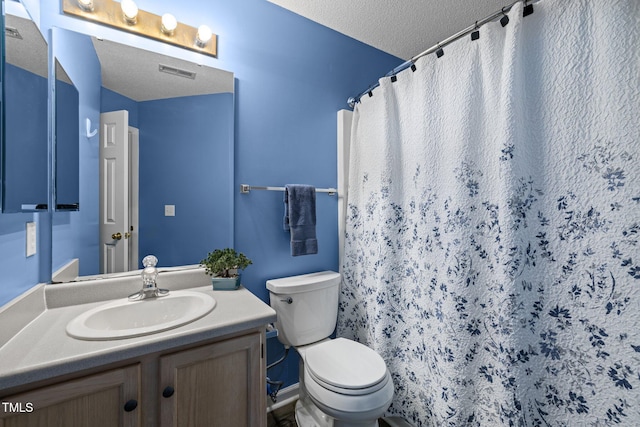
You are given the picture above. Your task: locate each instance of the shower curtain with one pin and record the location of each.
(493, 219)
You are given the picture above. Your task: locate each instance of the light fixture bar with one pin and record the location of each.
(109, 12)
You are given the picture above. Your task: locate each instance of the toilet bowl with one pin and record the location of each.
(343, 383)
(347, 381)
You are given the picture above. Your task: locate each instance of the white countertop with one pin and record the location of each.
(42, 349)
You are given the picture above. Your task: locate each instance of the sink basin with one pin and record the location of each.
(125, 319)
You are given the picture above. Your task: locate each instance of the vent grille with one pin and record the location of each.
(12, 32)
(177, 72)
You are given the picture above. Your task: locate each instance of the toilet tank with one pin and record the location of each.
(307, 306)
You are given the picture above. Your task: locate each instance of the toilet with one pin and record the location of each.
(342, 383)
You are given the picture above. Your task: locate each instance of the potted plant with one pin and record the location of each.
(224, 265)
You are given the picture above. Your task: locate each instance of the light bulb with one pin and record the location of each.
(86, 5)
(203, 36)
(169, 24)
(129, 10)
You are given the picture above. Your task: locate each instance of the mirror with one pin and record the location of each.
(169, 194)
(67, 136)
(25, 107)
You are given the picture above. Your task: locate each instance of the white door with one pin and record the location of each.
(114, 192)
(134, 136)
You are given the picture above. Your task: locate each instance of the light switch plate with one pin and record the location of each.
(169, 210)
(31, 239)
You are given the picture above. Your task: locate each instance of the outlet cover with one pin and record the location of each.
(169, 210)
(31, 239)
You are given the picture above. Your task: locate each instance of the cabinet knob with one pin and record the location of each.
(130, 405)
(168, 391)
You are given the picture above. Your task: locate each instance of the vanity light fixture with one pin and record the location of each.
(129, 11)
(203, 35)
(125, 15)
(168, 24)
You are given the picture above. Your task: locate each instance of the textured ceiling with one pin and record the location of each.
(29, 49)
(135, 73)
(402, 28)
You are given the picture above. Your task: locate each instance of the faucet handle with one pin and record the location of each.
(149, 261)
(149, 277)
(149, 273)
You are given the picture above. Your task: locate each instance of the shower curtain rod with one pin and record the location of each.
(352, 101)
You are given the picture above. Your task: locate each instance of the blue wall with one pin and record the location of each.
(113, 101)
(19, 273)
(25, 160)
(26, 123)
(186, 161)
(293, 75)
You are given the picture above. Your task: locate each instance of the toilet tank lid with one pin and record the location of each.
(303, 282)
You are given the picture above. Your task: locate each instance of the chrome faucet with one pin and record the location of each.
(149, 277)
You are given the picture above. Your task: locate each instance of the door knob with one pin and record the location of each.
(116, 236)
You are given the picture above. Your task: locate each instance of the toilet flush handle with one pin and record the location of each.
(288, 300)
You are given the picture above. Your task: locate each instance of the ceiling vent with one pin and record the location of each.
(12, 32)
(177, 72)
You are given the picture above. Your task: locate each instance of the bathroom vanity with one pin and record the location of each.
(210, 371)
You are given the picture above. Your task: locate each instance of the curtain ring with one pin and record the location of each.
(505, 19)
(475, 35)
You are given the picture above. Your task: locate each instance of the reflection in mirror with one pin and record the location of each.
(25, 87)
(160, 173)
(67, 134)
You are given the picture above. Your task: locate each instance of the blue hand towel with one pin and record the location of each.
(300, 218)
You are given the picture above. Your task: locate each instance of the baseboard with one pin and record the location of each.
(286, 396)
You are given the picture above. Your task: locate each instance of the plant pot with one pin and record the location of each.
(225, 283)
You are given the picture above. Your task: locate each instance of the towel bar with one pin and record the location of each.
(246, 189)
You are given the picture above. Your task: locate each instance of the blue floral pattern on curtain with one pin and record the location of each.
(492, 251)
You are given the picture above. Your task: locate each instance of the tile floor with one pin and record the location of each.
(282, 417)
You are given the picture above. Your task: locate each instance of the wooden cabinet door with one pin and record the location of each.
(96, 400)
(220, 384)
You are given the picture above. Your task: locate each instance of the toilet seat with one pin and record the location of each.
(346, 367)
